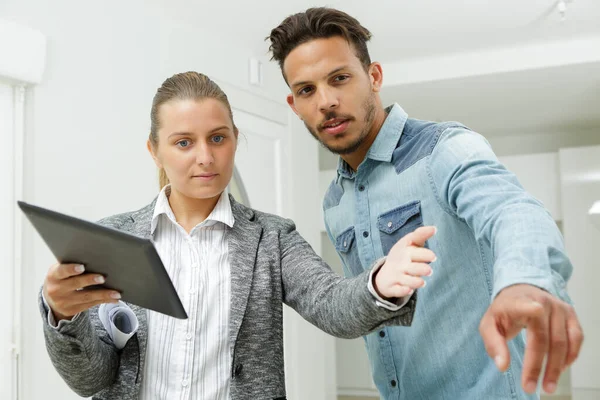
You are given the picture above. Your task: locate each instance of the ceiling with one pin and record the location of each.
(403, 28)
(422, 28)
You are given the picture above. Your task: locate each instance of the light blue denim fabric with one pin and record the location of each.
(491, 234)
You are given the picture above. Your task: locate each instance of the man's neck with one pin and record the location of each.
(355, 158)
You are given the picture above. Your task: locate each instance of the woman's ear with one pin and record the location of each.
(152, 152)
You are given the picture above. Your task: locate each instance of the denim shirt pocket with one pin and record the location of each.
(398, 222)
(348, 251)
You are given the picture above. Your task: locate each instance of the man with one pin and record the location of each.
(501, 262)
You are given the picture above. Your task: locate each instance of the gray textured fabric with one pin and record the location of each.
(270, 264)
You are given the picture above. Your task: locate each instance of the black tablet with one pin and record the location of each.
(129, 263)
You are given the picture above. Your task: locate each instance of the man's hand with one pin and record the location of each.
(553, 331)
(405, 264)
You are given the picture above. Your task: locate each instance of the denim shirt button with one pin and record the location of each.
(381, 333)
(389, 224)
(366, 234)
(345, 244)
(393, 383)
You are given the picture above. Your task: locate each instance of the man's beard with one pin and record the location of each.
(369, 107)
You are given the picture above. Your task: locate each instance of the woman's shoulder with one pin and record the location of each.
(116, 221)
(119, 221)
(267, 220)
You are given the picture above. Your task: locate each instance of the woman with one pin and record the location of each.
(232, 267)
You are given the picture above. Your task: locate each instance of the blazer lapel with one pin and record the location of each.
(141, 221)
(243, 240)
(140, 224)
(243, 246)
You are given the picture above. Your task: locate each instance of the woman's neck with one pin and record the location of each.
(190, 211)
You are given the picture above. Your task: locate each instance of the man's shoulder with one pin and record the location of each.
(420, 133)
(418, 140)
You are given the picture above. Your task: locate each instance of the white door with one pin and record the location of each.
(6, 240)
(9, 186)
(278, 166)
(259, 162)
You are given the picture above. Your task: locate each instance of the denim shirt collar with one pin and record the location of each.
(385, 142)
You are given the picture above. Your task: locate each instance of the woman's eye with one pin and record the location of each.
(183, 143)
(218, 138)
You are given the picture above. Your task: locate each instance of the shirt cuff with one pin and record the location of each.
(553, 284)
(400, 302)
(52, 320)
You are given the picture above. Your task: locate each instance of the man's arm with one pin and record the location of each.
(346, 307)
(530, 264)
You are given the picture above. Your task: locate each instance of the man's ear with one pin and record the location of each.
(376, 76)
(290, 101)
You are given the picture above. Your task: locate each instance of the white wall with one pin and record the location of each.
(22, 60)
(105, 61)
(85, 145)
(580, 188)
(534, 143)
(539, 175)
(353, 371)
(7, 244)
(315, 357)
(493, 60)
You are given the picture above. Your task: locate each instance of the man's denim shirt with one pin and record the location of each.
(491, 234)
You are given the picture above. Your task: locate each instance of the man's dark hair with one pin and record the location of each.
(318, 23)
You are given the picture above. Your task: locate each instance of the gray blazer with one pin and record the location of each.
(271, 264)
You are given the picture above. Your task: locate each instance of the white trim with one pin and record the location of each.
(18, 160)
(254, 104)
(12, 127)
(22, 63)
(22, 53)
(7, 244)
(594, 214)
(493, 61)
